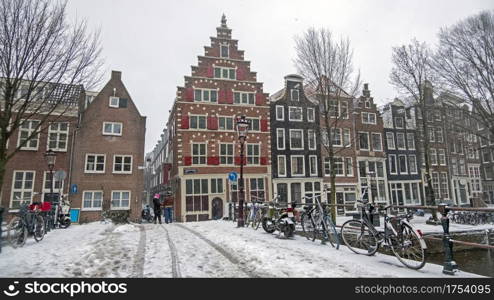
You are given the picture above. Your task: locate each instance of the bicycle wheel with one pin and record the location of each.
(247, 217)
(329, 232)
(38, 228)
(408, 249)
(257, 219)
(16, 232)
(307, 226)
(359, 238)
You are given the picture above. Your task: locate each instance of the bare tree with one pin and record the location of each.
(43, 59)
(327, 64)
(410, 75)
(464, 62)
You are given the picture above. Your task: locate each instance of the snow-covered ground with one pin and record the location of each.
(203, 249)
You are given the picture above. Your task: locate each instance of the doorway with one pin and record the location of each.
(217, 209)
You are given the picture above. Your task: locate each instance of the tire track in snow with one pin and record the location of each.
(138, 268)
(234, 260)
(173, 252)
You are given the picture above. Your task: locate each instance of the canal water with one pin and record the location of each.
(478, 261)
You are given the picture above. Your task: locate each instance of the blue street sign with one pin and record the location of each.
(73, 189)
(232, 176)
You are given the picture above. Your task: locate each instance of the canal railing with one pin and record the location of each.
(449, 267)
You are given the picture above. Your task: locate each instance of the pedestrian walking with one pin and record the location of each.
(168, 207)
(157, 208)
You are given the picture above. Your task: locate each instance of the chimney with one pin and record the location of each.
(116, 75)
(366, 91)
(427, 90)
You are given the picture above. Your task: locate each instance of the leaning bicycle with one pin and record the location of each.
(28, 221)
(406, 242)
(316, 221)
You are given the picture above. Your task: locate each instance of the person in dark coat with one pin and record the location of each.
(157, 208)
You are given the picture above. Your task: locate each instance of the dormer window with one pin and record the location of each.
(367, 104)
(294, 95)
(224, 51)
(117, 102)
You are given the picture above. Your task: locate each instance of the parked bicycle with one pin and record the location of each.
(316, 222)
(471, 218)
(406, 242)
(28, 221)
(255, 213)
(279, 217)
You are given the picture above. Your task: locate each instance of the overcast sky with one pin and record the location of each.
(154, 43)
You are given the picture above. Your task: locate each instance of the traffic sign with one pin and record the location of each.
(60, 175)
(73, 189)
(232, 176)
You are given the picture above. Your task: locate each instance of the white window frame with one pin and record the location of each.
(58, 132)
(219, 128)
(241, 98)
(396, 123)
(303, 165)
(416, 164)
(311, 134)
(441, 152)
(433, 150)
(380, 141)
(392, 136)
(410, 134)
(282, 113)
(112, 133)
(404, 141)
(23, 189)
(396, 164)
(46, 177)
(227, 156)
(302, 142)
(221, 73)
(311, 171)
(297, 92)
(311, 115)
(253, 156)
(95, 163)
(346, 132)
(123, 163)
(368, 142)
(290, 114)
(205, 155)
(366, 118)
(113, 105)
(227, 50)
(406, 163)
(120, 192)
(278, 131)
(92, 201)
(279, 164)
(30, 131)
(203, 91)
(346, 159)
(251, 122)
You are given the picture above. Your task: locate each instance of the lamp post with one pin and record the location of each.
(50, 157)
(242, 128)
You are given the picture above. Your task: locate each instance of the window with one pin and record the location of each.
(368, 118)
(435, 185)
(225, 123)
(462, 167)
(294, 93)
(349, 166)
(336, 135)
(431, 134)
(22, 188)
(344, 109)
(311, 190)
(224, 51)
(120, 199)
(217, 186)
(198, 122)
(367, 104)
(253, 154)
(205, 95)
(412, 163)
(390, 140)
(280, 138)
(122, 164)
(346, 137)
(196, 195)
(411, 141)
(294, 113)
(338, 168)
(57, 136)
(224, 73)
(281, 166)
(486, 155)
(402, 160)
(296, 139)
(444, 185)
(257, 189)
(313, 165)
(400, 140)
(442, 157)
(226, 154)
(376, 142)
(334, 108)
(26, 129)
(280, 113)
(297, 165)
(198, 154)
(244, 98)
(310, 115)
(392, 164)
(296, 191)
(92, 200)
(112, 128)
(57, 184)
(399, 123)
(454, 166)
(114, 102)
(364, 140)
(312, 139)
(439, 135)
(433, 158)
(254, 124)
(95, 163)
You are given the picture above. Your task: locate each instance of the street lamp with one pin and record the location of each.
(50, 157)
(242, 128)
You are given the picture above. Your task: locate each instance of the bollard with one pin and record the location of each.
(450, 266)
(1, 221)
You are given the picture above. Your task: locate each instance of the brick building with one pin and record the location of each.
(109, 154)
(203, 137)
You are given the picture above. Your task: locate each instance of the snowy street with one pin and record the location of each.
(204, 249)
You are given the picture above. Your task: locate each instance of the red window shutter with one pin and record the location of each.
(210, 72)
(264, 125)
(240, 74)
(216, 160)
(213, 123)
(189, 94)
(229, 97)
(210, 160)
(237, 160)
(264, 160)
(221, 97)
(187, 160)
(185, 122)
(259, 99)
